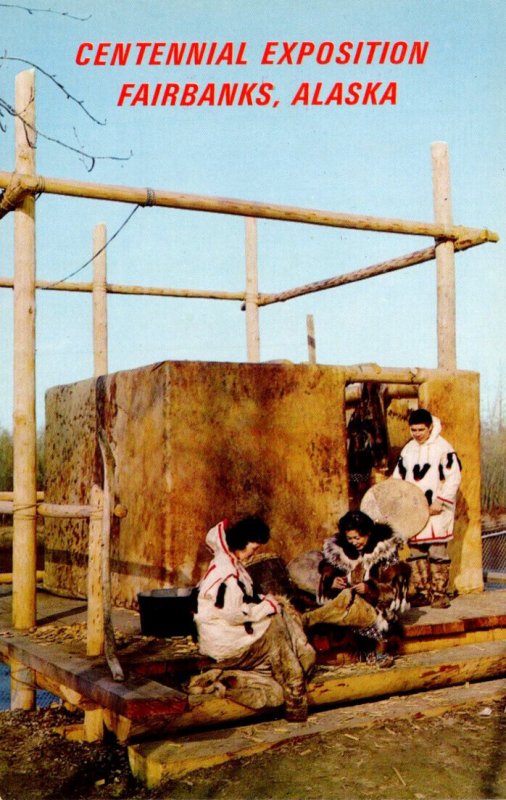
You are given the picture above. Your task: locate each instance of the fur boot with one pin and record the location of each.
(420, 582)
(296, 705)
(439, 578)
(301, 647)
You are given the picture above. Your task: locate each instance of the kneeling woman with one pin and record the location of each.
(363, 582)
(241, 629)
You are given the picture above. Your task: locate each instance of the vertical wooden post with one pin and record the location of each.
(445, 259)
(94, 717)
(94, 724)
(95, 613)
(311, 341)
(24, 422)
(100, 354)
(95, 616)
(24, 555)
(252, 323)
(22, 686)
(109, 640)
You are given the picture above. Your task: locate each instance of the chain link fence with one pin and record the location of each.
(43, 699)
(494, 557)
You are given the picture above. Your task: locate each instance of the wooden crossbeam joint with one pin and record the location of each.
(12, 195)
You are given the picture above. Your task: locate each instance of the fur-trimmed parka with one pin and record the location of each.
(378, 566)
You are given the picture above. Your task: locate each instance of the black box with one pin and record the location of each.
(167, 612)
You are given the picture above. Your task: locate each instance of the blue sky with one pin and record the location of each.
(368, 159)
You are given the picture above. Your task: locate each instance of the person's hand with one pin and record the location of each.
(339, 583)
(360, 588)
(435, 508)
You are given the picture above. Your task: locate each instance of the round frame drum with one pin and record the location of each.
(399, 504)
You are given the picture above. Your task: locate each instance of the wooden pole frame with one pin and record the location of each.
(24, 550)
(100, 350)
(246, 208)
(251, 306)
(311, 339)
(23, 184)
(445, 260)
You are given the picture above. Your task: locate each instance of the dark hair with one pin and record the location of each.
(420, 416)
(356, 521)
(249, 529)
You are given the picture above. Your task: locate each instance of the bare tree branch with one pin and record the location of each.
(60, 86)
(31, 11)
(88, 159)
(92, 159)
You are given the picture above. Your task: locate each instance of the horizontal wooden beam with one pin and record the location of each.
(353, 392)
(62, 511)
(10, 495)
(118, 288)
(168, 759)
(361, 373)
(247, 208)
(382, 268)
(6, 577)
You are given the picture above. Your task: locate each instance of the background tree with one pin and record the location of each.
(493, 457)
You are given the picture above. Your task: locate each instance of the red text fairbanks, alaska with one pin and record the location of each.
(219, 54)
(255, 94)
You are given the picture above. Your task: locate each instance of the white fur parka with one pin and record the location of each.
(435, 468)
(230, 615)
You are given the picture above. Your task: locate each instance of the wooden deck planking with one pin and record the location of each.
(475, 623)
(358, 682)
(426, 670)
(152, 762)
(134, 698)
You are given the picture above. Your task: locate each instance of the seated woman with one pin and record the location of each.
(241, 629)
(363, 583)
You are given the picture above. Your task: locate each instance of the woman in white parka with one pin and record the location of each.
(431, 463)
(241, 629)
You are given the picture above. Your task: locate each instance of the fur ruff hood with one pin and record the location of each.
(345, 557)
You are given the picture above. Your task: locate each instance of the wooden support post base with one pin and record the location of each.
(74, 732)
(94, 725)
(22, 687)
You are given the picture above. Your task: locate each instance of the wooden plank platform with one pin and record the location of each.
(135, 698)
(64, 668)
(351, 683)
(442, 647)
(471, 619)
(152, 762)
